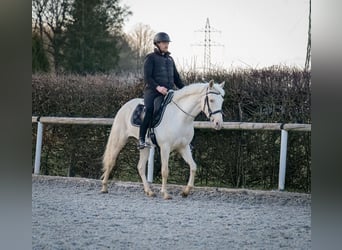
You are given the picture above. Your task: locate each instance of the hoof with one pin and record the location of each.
(167, 197)
(150, 194)
(184, 194)
(186, 191)
(104, 189)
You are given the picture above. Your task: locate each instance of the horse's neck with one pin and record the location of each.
(189, 100)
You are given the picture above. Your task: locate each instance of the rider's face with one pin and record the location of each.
(163, 46)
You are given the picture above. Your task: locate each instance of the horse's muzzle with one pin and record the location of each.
(217, 126)
(216, 123)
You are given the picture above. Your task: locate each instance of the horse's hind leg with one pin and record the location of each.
(187, 156)
(115, 143)
(142, 170)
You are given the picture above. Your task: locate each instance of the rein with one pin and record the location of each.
(193, 116)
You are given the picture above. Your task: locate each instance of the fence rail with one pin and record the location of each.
(197, 124)
(283, 127)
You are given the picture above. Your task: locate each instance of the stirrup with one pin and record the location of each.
(143, 145)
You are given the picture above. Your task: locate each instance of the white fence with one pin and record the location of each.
(284, 128)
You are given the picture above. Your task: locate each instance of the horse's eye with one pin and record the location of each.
(211, 100)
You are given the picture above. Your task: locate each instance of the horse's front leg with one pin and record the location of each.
(164, 155)
(187, 156)
(142, 170)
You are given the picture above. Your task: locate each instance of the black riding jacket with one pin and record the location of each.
(160, 69)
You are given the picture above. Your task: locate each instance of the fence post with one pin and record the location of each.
(150, 165)
(38, 148)
(282, 162)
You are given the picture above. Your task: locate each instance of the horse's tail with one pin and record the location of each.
(116, 141)
(108, 159)
(121, 130)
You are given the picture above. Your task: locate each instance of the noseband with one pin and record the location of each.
(206, 102)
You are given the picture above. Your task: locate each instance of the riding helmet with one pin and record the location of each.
(161, 37)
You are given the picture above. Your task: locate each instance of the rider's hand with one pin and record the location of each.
(162, 90)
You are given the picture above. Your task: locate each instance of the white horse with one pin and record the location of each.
(174, 133)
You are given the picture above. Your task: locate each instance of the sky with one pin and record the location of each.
(248, 33)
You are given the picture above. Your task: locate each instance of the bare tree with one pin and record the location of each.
(49, 19)
(38, 9)
(141, 42)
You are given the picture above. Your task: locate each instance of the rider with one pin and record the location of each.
(160, 75)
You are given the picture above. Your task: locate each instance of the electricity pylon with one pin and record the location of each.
(207, 44)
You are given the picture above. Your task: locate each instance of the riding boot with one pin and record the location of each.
(143, 129)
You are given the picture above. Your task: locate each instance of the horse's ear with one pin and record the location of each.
(211, 83)
(222, 84)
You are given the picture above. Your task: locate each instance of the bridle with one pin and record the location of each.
(206, 102)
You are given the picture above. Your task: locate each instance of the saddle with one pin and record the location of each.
(160, 104)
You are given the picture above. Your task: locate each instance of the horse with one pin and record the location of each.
(174, 132)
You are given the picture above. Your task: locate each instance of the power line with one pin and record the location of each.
(308, 49)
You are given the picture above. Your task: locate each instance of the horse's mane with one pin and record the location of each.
(194, 88)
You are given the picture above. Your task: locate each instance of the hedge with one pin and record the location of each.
(225, 158)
